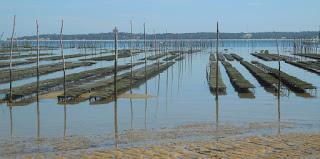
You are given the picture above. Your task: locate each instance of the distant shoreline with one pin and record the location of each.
(200, 35)
(158, 40)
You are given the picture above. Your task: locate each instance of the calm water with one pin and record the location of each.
(182, 96)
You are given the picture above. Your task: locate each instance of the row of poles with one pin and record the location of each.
(217, 83)
(115, 31)
(10, 100)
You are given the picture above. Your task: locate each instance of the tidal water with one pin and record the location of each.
(181, 96)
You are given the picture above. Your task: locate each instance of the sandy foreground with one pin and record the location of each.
(197, 140)
(283, 146)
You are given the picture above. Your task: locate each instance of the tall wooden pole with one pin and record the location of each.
(145, 51)
(38, 60)
(165, 44)
(63, 61)
(131, 38)
(318, 42)
(38, 80)
(131, 34)
(115, 31)
(11, 50)
(217, 63)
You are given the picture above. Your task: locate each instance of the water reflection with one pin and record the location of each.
(217, 111)
(64, 120)
(158, 95)
(231, 110)
(116, 133)
(145, 75)
(246, 95)
(279, 114)
(145, 106)
(167, 85)
(11, 121)
(131, 111)
(172, 79)
(38, 121)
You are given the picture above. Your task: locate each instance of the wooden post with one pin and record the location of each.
(155, 47)
(145, 51)
(10, 65)
(64, 63)
(38, 79)
(165, 45)
(115, 31)
(131, 52)
(38, 58)
(217, 64)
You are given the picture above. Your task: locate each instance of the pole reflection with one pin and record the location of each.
(217, 111)
(167, 83)
(116, 132)
(65, 120)
(145, 106)
(38, 121)
(11, 121)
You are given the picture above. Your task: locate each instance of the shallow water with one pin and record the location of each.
(181, 97)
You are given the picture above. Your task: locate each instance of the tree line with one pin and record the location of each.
(200, 35)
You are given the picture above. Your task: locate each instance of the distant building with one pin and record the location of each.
(247, 36)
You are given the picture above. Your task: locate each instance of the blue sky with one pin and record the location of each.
(96, 16)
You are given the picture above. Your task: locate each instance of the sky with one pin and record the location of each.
(176, 16)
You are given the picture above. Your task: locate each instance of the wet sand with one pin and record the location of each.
(284, 146)
(280, 146)
(197, 140)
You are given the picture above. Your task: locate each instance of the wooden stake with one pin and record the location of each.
(38, 57)
(63, 61)
(115, 31)
(145, 51)
(38, 79)
(11, 50)
(217, 64)
(131, 38)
